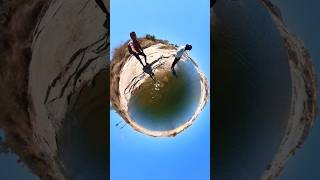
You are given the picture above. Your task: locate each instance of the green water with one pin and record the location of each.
(167, 102)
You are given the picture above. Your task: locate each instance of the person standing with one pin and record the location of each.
(135, 48)
(180, 52)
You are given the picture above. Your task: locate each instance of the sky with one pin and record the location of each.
(10, 168)
(136, 156)
(302, 19)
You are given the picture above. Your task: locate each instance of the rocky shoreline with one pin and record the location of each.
(125, 69)
(304, 99)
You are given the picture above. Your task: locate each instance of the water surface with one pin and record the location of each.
(252, 90)
(168, 101)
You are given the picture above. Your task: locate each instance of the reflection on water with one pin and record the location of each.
(83, 145)
(252, 91)
(10, 168)
(169, 101)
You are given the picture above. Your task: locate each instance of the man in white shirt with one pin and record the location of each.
(180, 52)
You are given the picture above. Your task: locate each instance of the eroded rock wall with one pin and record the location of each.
(304, 98)
(50, 51)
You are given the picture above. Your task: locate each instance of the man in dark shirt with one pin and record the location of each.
(135, 48)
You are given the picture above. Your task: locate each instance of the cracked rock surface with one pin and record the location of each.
(52, 50)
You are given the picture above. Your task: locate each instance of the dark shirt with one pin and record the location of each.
(134, 47)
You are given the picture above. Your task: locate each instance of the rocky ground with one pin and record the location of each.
(127, 75)
(304, 100)
(50, 51)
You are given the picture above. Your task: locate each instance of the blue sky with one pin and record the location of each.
(302, 18)
(136, 156)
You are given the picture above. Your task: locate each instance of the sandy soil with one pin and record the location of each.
(303, 106)
(131, 76)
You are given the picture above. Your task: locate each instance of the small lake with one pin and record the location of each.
(169, 101)
(252, 90)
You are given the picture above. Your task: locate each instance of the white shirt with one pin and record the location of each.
(181, 51)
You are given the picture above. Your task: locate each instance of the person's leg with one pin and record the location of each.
(144, 55)
(172, 66)
(137, 56)
(174, 62)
